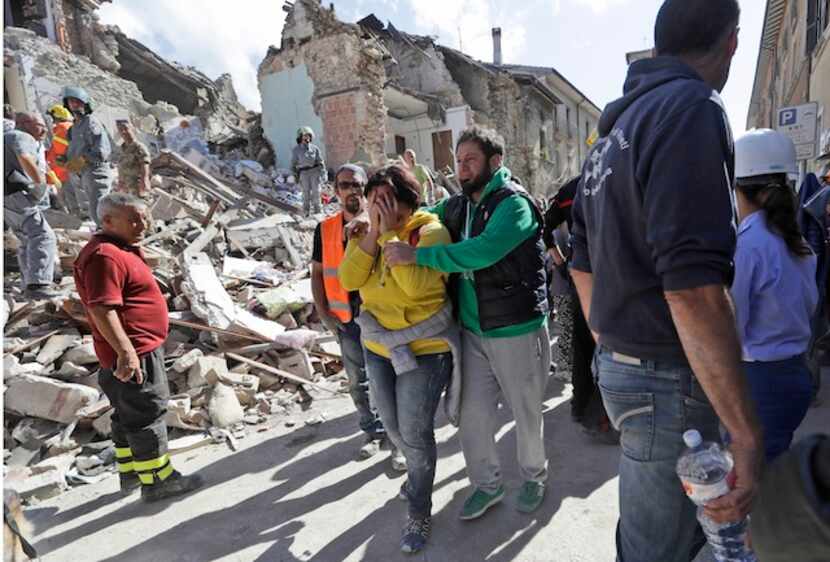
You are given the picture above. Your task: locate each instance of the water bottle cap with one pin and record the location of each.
(692, 438)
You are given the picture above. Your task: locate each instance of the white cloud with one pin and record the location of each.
(214, 37)
(468, 24)
(599, 6)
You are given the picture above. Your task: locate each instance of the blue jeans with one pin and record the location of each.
(652, 404)
(355, 365)
(407, 405)
(782, 391)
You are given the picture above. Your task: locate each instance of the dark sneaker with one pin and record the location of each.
(415, 535)
(42, 292)
(129, 483)
(479, 502)
(175, 485)
(398, 460)
(530, 496)
(370, 448)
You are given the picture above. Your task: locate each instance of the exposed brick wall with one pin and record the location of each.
(348, 75)
(340, 127)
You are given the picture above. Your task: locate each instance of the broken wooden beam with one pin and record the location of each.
(277, 372)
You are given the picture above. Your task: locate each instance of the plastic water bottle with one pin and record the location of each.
(703, 469)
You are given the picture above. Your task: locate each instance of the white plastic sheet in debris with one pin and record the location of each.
(210, 302)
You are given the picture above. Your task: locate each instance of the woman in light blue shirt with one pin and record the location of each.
(774, 290)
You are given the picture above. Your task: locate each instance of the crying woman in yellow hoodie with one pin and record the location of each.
(401, 296)
(398, 298)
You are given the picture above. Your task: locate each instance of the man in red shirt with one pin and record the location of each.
(129, 321)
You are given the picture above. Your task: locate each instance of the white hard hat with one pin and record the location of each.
(763, 151)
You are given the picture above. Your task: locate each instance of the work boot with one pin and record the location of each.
(370, 447)
(174, 485)
(398, 460)
(42, 292)
(129, 483)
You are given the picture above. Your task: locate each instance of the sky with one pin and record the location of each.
(585, 40)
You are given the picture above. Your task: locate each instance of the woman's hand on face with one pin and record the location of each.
(388, 212)
(374, 213)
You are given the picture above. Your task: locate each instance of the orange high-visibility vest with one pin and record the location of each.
(60, 145)
(331, 232)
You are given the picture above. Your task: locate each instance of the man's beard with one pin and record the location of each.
(352, 205)
(476, 184)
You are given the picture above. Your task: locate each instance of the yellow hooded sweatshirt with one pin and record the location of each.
(401, 296)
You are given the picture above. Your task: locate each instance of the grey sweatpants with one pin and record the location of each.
(515, 369)
(96, 182)
(38, 247)
(310, 182)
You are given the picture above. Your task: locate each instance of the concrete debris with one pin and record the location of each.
(186, 361)
(229, 248)
(206, 371)
(81, 355)
(55, 346)
(43, 397)
(224, 407)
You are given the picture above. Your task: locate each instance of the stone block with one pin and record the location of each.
(103, 425)
(207, 370)
(83, 354)
(224, 407)
(186, 361)
(43, 397)
(56, 345)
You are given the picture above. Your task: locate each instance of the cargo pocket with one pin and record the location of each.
(632, 414)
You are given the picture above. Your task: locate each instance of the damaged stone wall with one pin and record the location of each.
(348, 75)
(37, 71)
(420, 66)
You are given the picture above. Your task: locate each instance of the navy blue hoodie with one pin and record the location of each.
(655, 207)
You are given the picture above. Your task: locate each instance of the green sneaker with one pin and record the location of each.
(531, 496)
(479, 502)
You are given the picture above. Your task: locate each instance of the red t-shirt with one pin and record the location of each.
(110, 272)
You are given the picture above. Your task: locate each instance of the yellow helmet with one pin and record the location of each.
(60, 112)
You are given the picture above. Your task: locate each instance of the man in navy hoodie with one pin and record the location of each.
(654, 237)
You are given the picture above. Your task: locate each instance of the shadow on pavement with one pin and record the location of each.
(268, 517)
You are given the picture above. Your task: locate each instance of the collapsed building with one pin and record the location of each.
(371, 91)
(49, 44)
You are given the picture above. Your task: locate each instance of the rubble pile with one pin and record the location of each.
(245, 347)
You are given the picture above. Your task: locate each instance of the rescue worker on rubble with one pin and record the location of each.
(26, 197)
(133, 162)
(128, 317)
(338, 308)
(307, 163)
(56, 156)
(89, 150)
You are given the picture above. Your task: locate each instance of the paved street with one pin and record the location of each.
(300, 495)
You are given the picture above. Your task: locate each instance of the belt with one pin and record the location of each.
(307, 168)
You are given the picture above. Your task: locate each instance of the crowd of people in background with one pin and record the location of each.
(674, 307)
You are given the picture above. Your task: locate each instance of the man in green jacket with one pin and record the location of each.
(499, 287)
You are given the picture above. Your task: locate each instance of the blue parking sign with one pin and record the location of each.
(788, 117)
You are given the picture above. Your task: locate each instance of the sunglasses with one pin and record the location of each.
(350, 185)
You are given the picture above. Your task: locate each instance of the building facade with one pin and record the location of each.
(794, 68)
(371, 91)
